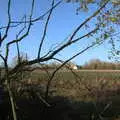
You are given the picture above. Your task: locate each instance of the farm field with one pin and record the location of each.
(81, 89)
(88, 75)
(74, 95)
(82, 82)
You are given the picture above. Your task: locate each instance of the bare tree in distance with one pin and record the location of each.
(99, 32)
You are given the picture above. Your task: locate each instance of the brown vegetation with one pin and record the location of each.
(97, 64)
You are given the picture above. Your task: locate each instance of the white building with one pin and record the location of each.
(72, 66)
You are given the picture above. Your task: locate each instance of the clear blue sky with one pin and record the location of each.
(62, 23)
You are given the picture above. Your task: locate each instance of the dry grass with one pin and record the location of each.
(76, 95)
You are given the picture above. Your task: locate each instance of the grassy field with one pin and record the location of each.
(75, 94)
(84, 83)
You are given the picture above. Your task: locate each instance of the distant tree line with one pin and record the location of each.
(92, 64)
(98, 64)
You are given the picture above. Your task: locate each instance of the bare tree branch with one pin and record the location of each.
(53, 74)
(50, 56)
(18, 34)
(59, 49)
(45, 30)
(2, 57)
(17, 44)
(71, 41)
(24, 35)
(76, 77)
(18, 53)
(12, 26)
(9, 22)
(42, 16)
(87, 20)
(6, 57)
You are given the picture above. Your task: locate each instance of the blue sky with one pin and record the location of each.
(63, 22)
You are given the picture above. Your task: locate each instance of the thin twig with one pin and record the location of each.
(40, 17)
(57, 69)
(45, 30)
(48, 57)
(9, 22)
(23, 36)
